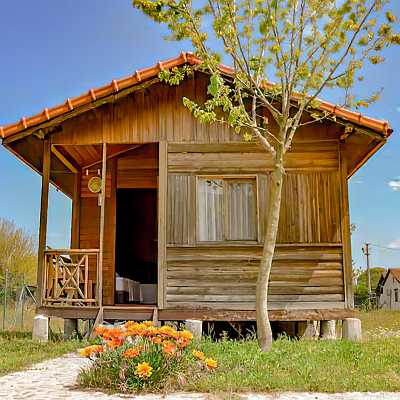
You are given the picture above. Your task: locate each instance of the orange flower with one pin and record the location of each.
(90, 351)
(143, 370)
(182, 343)
(156, 340)
(131, 353)
(210, 364)
(147, 324)
(198, 354)
(100, 330)
(115, 342)
(169, 347)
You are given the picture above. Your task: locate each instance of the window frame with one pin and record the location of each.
(253, 178)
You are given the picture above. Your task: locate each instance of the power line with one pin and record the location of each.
(385, 247)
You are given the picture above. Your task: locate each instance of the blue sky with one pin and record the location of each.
(53, 49)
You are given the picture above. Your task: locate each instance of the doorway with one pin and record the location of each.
(136, 246)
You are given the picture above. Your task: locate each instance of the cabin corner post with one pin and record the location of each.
(345, 229)
(162, 221)
(101, 235)
(44, 204)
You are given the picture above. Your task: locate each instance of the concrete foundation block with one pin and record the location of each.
(70, 328)
(328, 330)
(196, 327)
(352, 329)
(309, 330)
(40, 328)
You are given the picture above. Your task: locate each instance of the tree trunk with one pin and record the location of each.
(264, 332)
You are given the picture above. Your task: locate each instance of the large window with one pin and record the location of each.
(226, 209)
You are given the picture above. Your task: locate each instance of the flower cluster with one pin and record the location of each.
(143, 352)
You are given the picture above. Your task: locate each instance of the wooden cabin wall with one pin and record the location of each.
(311, 233)
(307, 270)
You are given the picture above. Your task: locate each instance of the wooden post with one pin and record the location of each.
(102, 216)
(44, 203)
(162, 220)
(76, 206)
(345, 229)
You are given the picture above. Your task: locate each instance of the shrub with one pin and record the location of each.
(137, 356)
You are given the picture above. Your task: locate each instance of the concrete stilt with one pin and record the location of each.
(328, 330)
(196, 327)
(352, 329)
(308, 330)
(40, 328)
(70, 328)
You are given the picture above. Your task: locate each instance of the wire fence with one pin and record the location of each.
(18, 302)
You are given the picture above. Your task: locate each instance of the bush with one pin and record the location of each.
(139, 356)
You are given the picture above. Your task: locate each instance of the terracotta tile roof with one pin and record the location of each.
(151, 72)
(395, 272)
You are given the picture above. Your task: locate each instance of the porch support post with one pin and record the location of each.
(76, 205)
(102, 216)
(44, 203)
(162, 220)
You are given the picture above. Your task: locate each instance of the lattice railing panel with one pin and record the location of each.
(67, 277)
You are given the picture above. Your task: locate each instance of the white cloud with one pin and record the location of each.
(395, 244)
(394, 184)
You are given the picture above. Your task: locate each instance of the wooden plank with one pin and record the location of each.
(76, 205)
(162, 222)
(284, 305)
(240, 315)
(44, 204)
(68, 163)
(345, 227)
(101, 234)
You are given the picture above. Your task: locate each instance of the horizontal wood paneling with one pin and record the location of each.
(303, 156)
(225, 277)
(138, 168)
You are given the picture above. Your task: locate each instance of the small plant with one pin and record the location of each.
(139, 356)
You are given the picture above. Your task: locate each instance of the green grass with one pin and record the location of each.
(18, 351)
(379, 321)
(318, 366)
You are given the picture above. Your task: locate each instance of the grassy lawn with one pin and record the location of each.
(319, 366)
(18, 351)
(380, 323)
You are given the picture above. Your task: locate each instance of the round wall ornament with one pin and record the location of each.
(94, 184)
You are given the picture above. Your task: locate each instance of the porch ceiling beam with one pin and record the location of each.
(112, 155)
(67, 162)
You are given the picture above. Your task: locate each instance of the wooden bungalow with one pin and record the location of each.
(163, 202)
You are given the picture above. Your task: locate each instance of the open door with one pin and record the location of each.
(136, 246)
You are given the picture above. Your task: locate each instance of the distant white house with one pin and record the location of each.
(389, 290)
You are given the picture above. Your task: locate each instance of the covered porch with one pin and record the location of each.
(115, 227)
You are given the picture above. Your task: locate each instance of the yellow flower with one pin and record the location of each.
(143, 370)
(210, 364)
(168, 331)
(187, 335)
(90, 351)
(198, 354)
(147, 324)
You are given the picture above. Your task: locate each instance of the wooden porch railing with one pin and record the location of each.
(70, 277)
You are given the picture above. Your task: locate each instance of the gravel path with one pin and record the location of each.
(55, 379)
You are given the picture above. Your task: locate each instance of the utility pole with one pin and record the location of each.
(366, 252)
